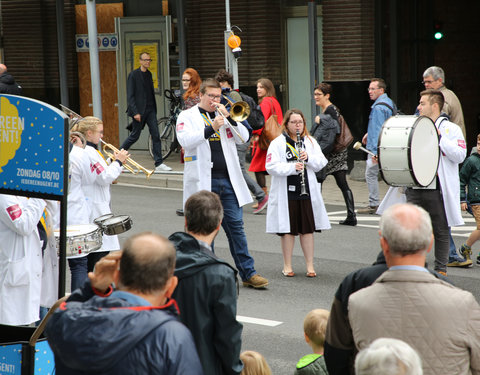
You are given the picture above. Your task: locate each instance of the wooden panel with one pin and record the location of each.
(106, 14)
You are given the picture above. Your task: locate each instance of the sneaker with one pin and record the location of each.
(459, 262)
(478, 259)
(368, 210)
(180, 212)
(162, 168)
(444, 273)
(465, 251)
(256, 281)
(261, 205)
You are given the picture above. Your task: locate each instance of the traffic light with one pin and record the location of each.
(438, 30)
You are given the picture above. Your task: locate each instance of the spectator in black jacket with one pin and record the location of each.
(7, 83)
(207, 287)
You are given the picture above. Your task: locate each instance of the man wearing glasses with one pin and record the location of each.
(143, 109)
(209, 137)
(382, 109)
(434, 79)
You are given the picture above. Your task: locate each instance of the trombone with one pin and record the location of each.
(129, 163)
(239, 111)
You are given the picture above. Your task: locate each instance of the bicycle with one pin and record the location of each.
(167, 126)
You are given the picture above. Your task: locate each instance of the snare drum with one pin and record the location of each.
(99, 220)
(81, 240)
(116, 225)
(408, 151)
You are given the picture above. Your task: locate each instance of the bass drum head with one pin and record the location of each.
(424, 151)
(116, 225)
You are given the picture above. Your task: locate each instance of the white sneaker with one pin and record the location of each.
(162, 168)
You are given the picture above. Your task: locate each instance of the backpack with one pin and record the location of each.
(256, 119)
(395, 110)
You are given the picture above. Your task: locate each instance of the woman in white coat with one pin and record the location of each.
(289, 213)
(97, 193)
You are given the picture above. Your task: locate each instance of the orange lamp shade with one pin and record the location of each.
(234, 41)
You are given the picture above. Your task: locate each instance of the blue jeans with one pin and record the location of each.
(452, 253)
(371, 176)
(232, 224)
(150, 118)
(78, 269)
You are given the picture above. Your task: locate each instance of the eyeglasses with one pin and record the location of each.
(146, 60)
(373, 88)
(186, 80)
(428, 81)
(214, 97)
(296, 122)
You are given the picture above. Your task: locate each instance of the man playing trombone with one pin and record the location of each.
(208, 135)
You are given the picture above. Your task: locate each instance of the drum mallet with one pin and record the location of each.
(358, 146)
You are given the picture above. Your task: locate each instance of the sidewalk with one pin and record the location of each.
(174, 180)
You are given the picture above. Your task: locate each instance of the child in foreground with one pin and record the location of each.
(314, 327)
(254, 364)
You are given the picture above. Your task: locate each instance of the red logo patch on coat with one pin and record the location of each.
(461, 143)
(229, 133)
(269, 158)
(14, 212)
(97, 167)
(180, 127)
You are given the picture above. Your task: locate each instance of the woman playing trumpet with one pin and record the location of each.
(98, 192)
(289, 212)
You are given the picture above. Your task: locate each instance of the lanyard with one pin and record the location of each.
(294, 151)
(208, 122)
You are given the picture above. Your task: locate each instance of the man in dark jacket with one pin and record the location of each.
(142, 108)
(7, 83)
(132, 330)
(207, 288)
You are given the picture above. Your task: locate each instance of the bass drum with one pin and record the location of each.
(408, 151)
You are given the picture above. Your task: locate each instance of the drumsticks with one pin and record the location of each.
(358, 146)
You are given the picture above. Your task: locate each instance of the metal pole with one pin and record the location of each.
(313, 55)
(182, 44)
(62, 60)
(94, 66)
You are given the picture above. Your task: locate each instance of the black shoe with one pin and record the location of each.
(179, 212)
(349, 221)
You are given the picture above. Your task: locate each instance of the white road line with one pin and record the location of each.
(263, 322)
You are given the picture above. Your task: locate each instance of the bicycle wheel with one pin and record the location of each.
(167, 136)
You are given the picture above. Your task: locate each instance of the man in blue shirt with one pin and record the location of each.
(381, 111)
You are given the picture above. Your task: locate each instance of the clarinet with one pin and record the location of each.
(299, 147)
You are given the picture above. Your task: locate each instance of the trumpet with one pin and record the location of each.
(129, 163)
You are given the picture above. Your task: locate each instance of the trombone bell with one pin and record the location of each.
(239, 111)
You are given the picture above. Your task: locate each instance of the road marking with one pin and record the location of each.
(263, 322)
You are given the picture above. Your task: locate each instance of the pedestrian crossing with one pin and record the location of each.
(371, 221)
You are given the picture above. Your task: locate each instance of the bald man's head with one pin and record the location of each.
(3, 68)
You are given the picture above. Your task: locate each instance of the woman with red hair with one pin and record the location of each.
(191, 82)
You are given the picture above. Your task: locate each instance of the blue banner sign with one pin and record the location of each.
(32, 141)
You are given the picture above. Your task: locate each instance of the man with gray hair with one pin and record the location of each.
(388, 356)
(434, 79)
(408, 303)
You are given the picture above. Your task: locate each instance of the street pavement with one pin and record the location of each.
(273, 318)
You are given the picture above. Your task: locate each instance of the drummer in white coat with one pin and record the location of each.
(211, 163)
(98, 192)
(20, 259)
(289, 213)
(442, 202)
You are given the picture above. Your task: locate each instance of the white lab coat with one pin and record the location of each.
(453, 151)
(278, 220)
(78, 209)
(198, 159)
(20, 259)
(98, 192)
(49, 292)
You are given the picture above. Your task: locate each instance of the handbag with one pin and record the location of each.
(271, 130)
(345, 138)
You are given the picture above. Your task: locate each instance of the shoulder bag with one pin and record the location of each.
(271, 130)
